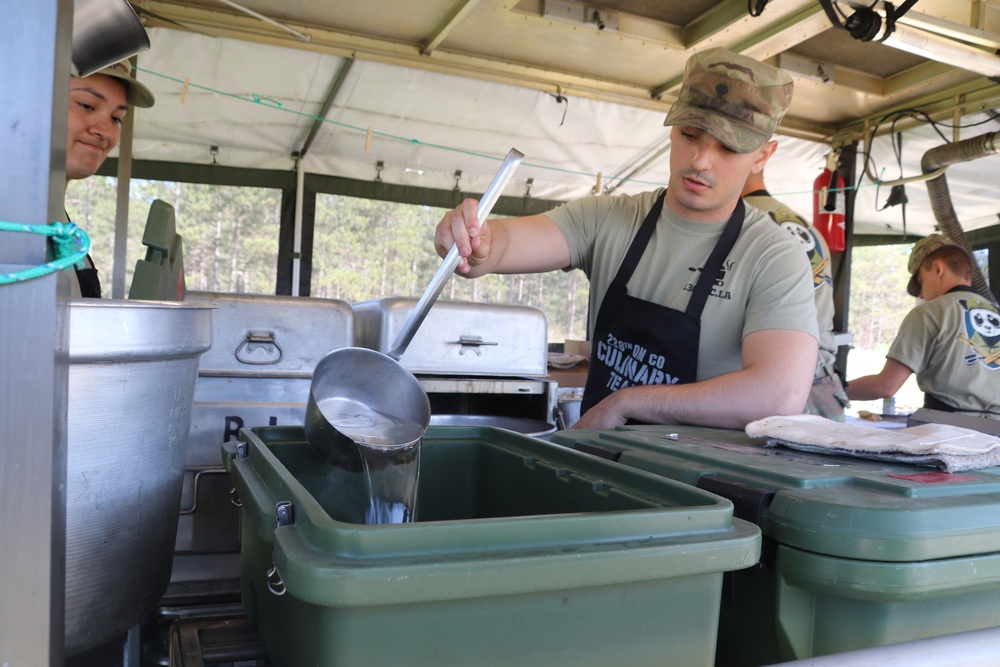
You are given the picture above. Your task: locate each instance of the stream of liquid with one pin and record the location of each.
(390, 453)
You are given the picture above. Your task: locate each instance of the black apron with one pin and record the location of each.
(639, 342)
(86, 275)
(932, 402)
(90, 282)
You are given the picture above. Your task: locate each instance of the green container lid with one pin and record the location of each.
(834, 505)
(521, 514)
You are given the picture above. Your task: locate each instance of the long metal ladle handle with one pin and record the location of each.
(451, 260)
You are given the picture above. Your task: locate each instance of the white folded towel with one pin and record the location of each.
(949, 448)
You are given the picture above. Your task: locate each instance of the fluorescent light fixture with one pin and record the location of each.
(948, 51)
(870, 23)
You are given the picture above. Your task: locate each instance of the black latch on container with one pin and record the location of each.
(749, 503)
(597, 450)
(283, 512)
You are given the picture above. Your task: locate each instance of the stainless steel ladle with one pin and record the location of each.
(355, 380)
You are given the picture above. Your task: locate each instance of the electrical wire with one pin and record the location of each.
(836, 6)
(756, 7)
(561, 99)
(896, 141)
(893, 118)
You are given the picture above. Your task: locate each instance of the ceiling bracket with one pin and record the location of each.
(578, 13)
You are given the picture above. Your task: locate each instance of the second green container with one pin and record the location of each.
(856, 553)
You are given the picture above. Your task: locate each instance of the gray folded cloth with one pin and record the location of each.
(942, 446)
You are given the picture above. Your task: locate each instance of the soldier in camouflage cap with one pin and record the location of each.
(951, 341)
(923, 249)
(695, 298)
(738, 100)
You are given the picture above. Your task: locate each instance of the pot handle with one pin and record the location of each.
(450, 263)
(265, 340)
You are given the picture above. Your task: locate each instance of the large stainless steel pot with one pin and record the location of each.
(132, 371)
(104, 32)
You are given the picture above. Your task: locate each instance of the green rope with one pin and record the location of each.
(70, 245)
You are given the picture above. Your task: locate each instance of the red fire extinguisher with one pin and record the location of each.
(828, 205)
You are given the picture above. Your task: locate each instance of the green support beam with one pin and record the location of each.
(348, 187)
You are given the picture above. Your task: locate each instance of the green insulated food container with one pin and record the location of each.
(856, 553)
(523, 553)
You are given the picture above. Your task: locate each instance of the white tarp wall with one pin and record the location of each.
(257, 103)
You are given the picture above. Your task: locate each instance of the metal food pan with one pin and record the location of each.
(259, 335)
(459, 337)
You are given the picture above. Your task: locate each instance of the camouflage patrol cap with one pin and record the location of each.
(921, 251)
(736, 99)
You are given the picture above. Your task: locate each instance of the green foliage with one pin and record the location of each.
(366, 249)
(362, 249)
(879, 301)
(230, 234)
(90, 204)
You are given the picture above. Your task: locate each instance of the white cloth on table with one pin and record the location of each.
(949, 448)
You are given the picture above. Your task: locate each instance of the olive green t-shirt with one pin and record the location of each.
(765, 283)
(818, 252)
(952, 344)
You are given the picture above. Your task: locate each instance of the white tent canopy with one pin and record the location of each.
(258, 102)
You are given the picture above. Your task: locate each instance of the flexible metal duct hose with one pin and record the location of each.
(937, 188)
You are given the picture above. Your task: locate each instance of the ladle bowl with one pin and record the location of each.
(359, 387)
(370, 393)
